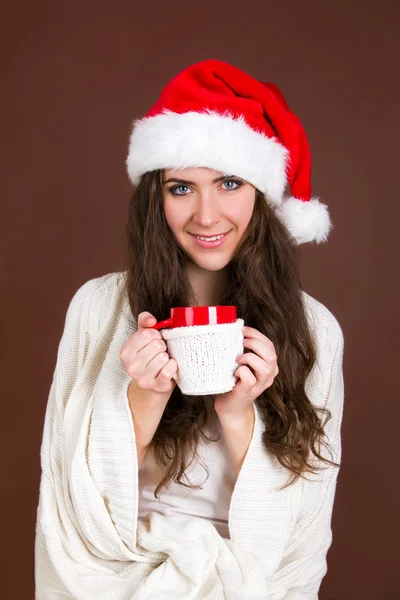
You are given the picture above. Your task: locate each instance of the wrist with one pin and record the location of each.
(238, 431)
(236, 420)
(147, 408)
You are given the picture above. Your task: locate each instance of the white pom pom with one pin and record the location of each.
(307, 221)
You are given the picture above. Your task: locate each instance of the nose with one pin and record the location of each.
(207, 211)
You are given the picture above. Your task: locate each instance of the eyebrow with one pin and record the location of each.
(186, 181)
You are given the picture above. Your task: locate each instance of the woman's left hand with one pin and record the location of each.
(263, 361)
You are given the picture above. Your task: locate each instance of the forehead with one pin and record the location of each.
(200, 174)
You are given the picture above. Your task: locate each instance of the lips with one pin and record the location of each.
(208, 235)
(211, 244)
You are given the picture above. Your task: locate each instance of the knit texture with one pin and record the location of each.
(205, 355)
(89, 544)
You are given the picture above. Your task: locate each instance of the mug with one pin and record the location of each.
(187, 316)
(204, 341)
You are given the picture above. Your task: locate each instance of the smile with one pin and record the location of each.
(213, 241)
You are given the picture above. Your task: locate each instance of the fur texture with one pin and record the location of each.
(307, 221)
(208, 139)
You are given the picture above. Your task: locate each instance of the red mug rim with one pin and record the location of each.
(186, 316)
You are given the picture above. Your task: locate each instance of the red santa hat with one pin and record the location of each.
(214, 115)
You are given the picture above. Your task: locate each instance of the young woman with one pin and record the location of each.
(150, 493)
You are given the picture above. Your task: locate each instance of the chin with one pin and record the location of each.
(211, 263)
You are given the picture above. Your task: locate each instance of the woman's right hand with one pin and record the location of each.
(146, 359)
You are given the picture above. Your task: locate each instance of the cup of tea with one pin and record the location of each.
(204, 341)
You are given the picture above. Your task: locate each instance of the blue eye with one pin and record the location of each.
(234, 181)
(173, 190)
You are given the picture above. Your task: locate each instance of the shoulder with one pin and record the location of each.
(325, 384)
(322, 321)
(94, 299)
(98, 289)
(93, 306)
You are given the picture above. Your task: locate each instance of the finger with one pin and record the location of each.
(168, 371)
(250, 332)
(146, 354)
(146, 319)
(154, 367)
(136, 363)
(246, 377)
(259, 347)
(158, 372)
(262, 369)
(139, 340)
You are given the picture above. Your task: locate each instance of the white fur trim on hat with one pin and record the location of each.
(307, 221)
(208, 139)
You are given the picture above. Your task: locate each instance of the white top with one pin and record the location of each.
(89, 542)
(211, 502)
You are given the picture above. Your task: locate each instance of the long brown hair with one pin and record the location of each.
(264, 285)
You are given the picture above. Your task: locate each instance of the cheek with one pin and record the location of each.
(241, 214)
(174, 215)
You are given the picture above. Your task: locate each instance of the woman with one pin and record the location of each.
(150, 493)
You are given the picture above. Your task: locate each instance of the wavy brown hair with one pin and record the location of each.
(264, 285)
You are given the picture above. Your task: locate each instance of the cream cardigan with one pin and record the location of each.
(89, 544)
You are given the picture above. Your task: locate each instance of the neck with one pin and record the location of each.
(208, 286)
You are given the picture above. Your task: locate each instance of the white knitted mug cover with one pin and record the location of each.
(205, 355)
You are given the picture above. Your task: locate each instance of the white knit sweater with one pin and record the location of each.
(89, 543)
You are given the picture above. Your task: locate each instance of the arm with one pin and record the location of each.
(72, 353)
(238, 432)
(71, 510)
(147, 408)
(304, 563)
(281, 538)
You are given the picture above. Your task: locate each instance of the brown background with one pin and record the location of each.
(73, 76)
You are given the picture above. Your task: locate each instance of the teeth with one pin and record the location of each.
(210, 239)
